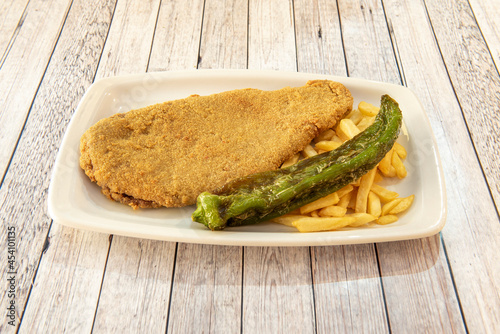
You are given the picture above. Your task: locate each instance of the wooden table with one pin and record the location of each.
(68, 280)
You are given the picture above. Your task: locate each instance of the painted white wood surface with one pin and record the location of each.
(56, 295)
(23, 68)
(79, 281)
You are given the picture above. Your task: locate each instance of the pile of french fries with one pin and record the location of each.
(363, 202)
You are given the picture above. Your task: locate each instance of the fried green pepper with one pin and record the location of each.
(263, 196)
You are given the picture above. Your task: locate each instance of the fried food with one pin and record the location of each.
(167, 154)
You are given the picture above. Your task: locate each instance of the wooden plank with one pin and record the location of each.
(486, 13)
(206, 294)
(67, 285)
(206, 291)
(138, 271)
(475, 79)
(472, 233)
(271, 38)
(224, 38)
(177, 36)
(318, 37)
(11, 21)
(277, 292)
(136, 287)
(348, 275)
(54, 295)
(24, 67)
(370, 55)
(129, 40)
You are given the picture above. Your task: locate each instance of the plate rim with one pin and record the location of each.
(229, 237)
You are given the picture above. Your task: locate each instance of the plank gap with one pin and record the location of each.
(102, 282)
(467, 127)
(171, 286)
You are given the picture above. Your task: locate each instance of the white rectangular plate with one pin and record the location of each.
(75, 201)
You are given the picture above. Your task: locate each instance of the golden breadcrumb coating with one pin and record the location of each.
(166, 154)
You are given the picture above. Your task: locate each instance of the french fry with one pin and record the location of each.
(403, 205)
(328, 200)
(286, 219)
(363, 190)
(365, 122)
(327, 145)
(291, 161)
(342, 191)
(325, 135)
(389, 219)
(361, 218)
(347, 129)
(398, 165)
(352, 200)
(355, 116)
(390, 205)
(310, 224)
(374, 205)
(314, 213)
(385, 165)
(309, 151)
(368, 109)
(378, 178)
(400, 150)
(385, 195)
(344, 200)
(332, 211)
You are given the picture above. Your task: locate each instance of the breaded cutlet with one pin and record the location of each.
(166, 154)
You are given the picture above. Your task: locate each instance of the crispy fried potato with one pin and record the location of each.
(405, 203)
(385, 165)
(398, 165)
(332, 211)
(347, 129)
(374, 205)
(389, 219)
(325, 135)
(327, 145)
(309, 151)
(390, 205)
(331, 199)
(361, 218)
(368, 109)
(310, 224)
(291, 161)
(400, 150)
(385, 195)
(363, 190)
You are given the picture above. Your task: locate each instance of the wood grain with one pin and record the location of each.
(24, 192)
(224, 35)
(471, 235)
(347, 290)
(277, 294)
(24, 67)
(177, 36)
(138, 273)
(475, 80)
(485, 12)
(277, 291)
(271, 37)
(11, 21)
(206, 294)
(368, 51)
(319, 38)
(206, 290)
(348, 275)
